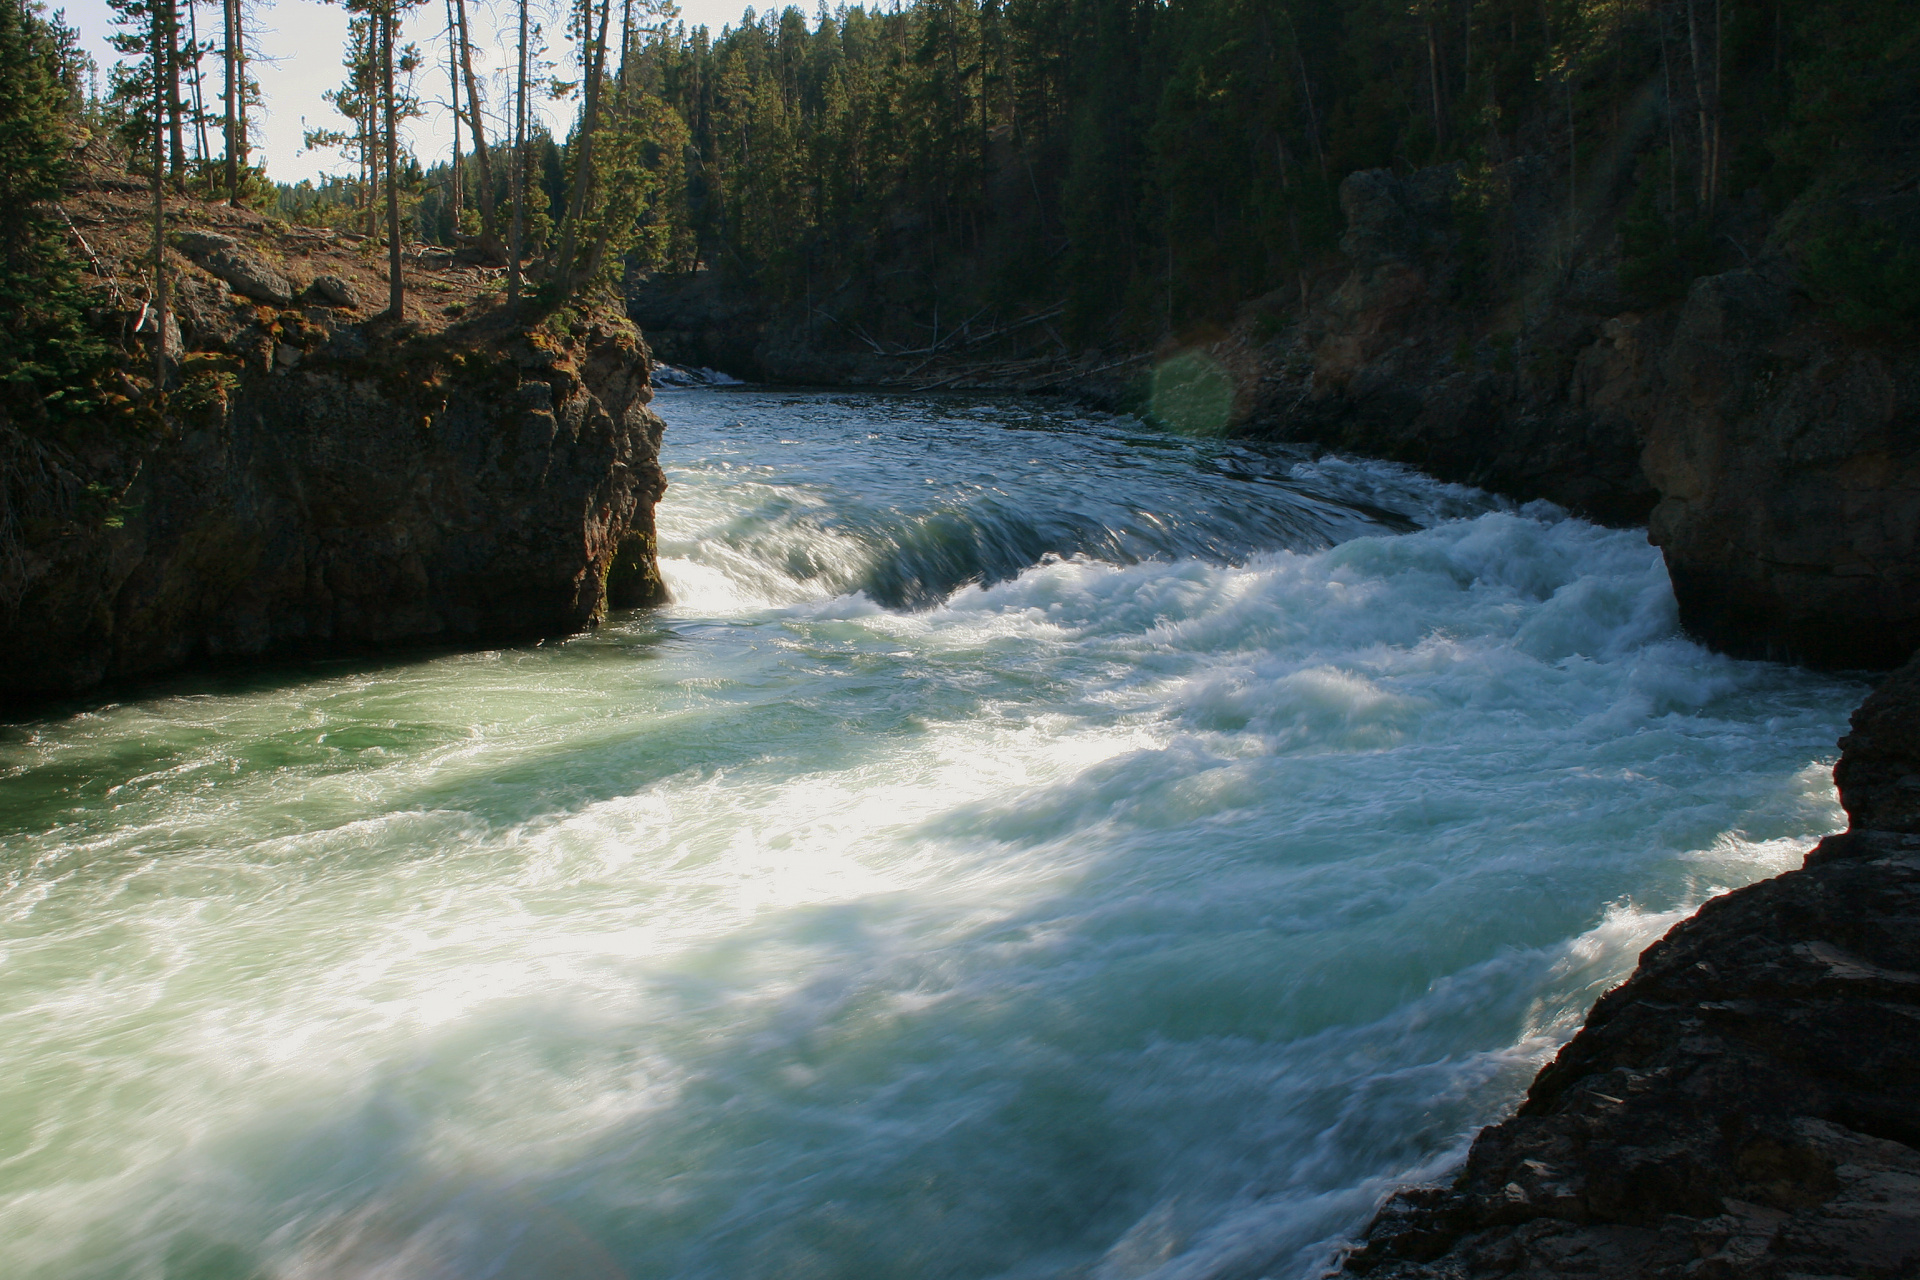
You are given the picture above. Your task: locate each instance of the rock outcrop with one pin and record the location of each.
(320, 483)
(1787, 459)
(1774, 457)
(332, 291)
(248, 273)
(1747, 1104)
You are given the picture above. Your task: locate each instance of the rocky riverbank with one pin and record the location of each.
(1747, 1104)
(320, 478)
(1773, 456)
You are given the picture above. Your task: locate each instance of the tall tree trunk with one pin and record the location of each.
(396, 286)
(1673, 139)
(476, 126)
(1700, 102)
(1719, 65)
(1466, 56)
(453, 90)
(230, 58)
(566, 275)
(1573, 161)
(1306, 85)
(596, 253)
(199, 100)
(159, 199)
(1293, 221)
(626, 42)
(367, 76)
(371, 151)
(242, 136)
(517, 176)
(170, 79)
(1433, 88)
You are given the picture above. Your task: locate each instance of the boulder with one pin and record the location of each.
(332, 291)
(246, 272)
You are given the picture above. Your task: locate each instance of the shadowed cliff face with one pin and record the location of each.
(1747, 1104)
(1787, 458)
(1393, 360)
(1774, 457)
(1879, 769)
(320, 484)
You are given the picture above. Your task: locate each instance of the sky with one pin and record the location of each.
(301, 42)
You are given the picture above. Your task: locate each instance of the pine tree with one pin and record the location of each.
(49, 356)
(382, 102)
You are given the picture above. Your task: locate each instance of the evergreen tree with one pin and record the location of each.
(49, 356)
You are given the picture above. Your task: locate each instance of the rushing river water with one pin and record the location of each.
(1028, 846)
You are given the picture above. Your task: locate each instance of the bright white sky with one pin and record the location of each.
(305, 40)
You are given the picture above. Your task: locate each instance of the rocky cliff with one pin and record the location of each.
(318, 479)
(1774, 457)
(1747, 1104)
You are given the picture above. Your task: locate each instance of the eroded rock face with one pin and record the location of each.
(1396, 361)
(1788, 464)
(1879, 769)
(1747, 1104)
(323, 489)
(1775, 459)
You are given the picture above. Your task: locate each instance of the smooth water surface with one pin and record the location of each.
(1029, 846)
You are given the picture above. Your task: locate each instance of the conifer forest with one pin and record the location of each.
(1129, 169)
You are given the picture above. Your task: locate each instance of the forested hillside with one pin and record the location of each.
(1154, 164)
(1121, 170)
(1147, 167)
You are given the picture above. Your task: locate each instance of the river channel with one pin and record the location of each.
(1029, 845)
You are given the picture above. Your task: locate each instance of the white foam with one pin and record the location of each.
(1144, 919)
(676, 376)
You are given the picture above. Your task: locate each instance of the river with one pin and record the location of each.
(1029, 845)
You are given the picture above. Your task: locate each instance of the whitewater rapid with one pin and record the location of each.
(1029, 846)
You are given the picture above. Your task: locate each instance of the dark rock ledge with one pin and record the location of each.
(1747, 1104)
(317, 479)
(334, 487)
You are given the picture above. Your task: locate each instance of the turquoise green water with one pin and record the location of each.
(1027, 847)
